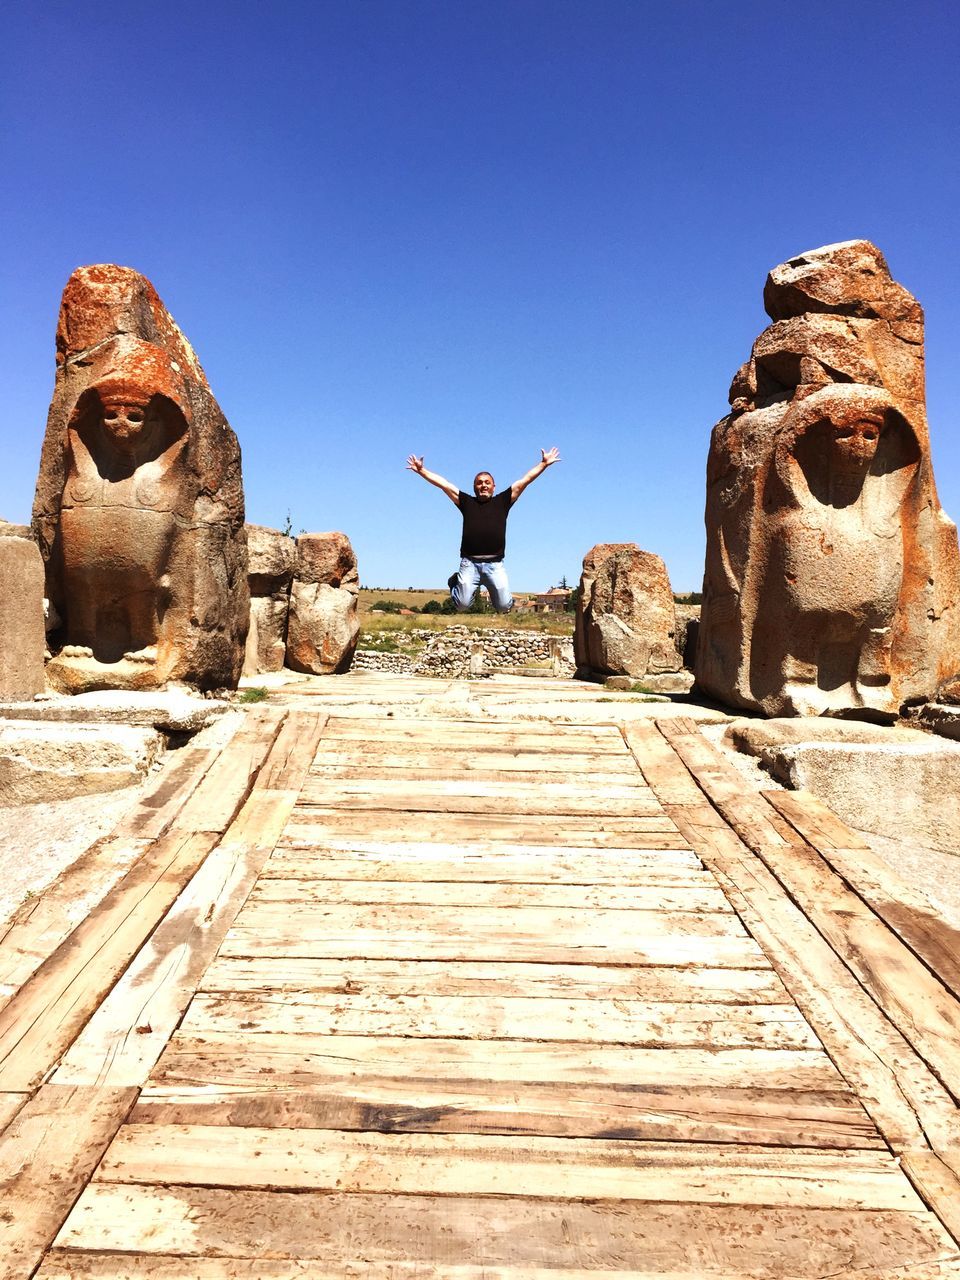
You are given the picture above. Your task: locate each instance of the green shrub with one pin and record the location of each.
(256, 694)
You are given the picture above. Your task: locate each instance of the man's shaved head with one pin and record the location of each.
(483, 484)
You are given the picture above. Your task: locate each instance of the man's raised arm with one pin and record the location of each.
(547, 458)
(416, 464)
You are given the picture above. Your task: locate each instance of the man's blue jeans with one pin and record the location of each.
(473, 574)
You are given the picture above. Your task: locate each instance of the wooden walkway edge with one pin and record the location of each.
(894, 1031)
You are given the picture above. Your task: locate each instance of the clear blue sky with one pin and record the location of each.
(472, 229)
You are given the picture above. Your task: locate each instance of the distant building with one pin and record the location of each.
(552, 601)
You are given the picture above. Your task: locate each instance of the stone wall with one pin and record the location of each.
(457, 652)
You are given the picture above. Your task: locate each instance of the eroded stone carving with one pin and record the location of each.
(323, 623)
(625, 621)
(139, 503)
(832, 582)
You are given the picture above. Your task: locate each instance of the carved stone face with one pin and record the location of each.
(854, 443)
(125, 423)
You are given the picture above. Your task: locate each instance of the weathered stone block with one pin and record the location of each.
(267, 637)
(626, 621)
(22, 640)
(908, 791)
(139, 503)
(832, 582)
(272, 560)
(323, 623)
(42, 762)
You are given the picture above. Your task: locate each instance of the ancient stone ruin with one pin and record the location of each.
(139, 502)
(21, 614)
(303, 602)
(832, 582)
(271, 565)
(625, 622)
(324, 624)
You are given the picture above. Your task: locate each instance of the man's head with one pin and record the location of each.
(483, 486)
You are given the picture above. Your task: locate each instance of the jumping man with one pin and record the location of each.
(484, 530)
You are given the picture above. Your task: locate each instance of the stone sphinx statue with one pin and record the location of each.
(139, 506)
(832, 583)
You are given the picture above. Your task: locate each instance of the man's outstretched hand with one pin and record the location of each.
(416, 464)
(547, 458)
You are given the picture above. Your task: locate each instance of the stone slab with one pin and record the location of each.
(22, 636)
(173, 711)
(42, 762)
(756, 736)
(903, 790)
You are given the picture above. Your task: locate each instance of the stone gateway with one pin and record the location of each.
(139, 503)
(832, 581)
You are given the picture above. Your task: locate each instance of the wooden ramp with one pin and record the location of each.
(480, 1000)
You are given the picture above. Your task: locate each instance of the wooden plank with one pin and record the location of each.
(292, 752)
(497, 799)
(300, 854)
(47, 1154)
(907, 911)
(725, 787)
(349, 941)
(441, 783)
(702, 897)
(126, 1034)
(659, 765)
(10, 1104)
(271, 1060)
(388, 979)
(183, 771)
(64, 1264)
(616, 833)
(484, 1164)
(215, 802)
(430, 766)
(40, 924)
(674, 1113)
(43, 1017)
(488, 735)
(569, 926)
(366, 1230)
(638, 1022)
(389, 758)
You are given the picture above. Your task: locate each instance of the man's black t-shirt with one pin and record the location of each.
(484, 526)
